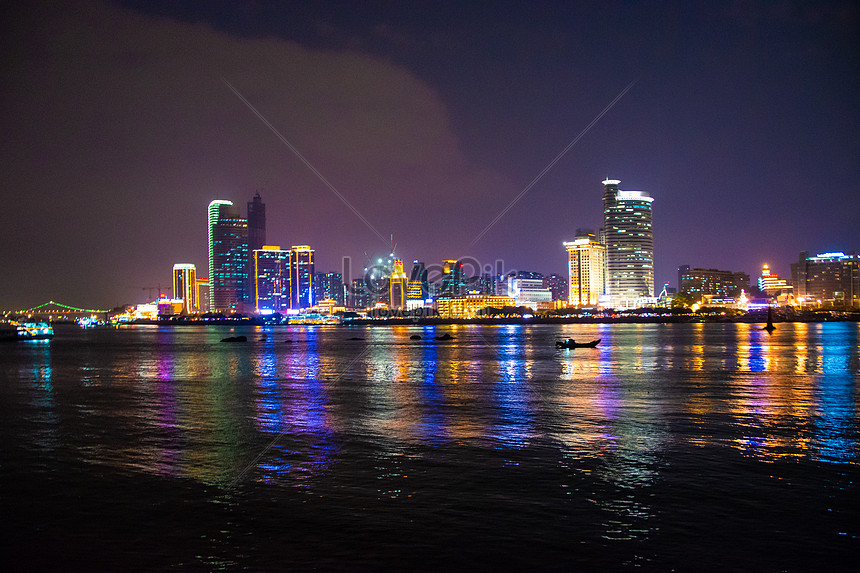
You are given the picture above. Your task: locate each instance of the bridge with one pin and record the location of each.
(58, 311)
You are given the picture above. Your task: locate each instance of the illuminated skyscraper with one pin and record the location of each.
(419, 288)
(359, 295)
(398, 286)
(329, 286)
(586, 264)
(256, 237)
(301, 277)
(629, 245)
(271, 282)
(185, 287)
(452, 278)
(228, 257)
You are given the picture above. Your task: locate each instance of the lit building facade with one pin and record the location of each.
(697, 283)
(271, 279)
(527, 289)
(770, 283)
(452, 278)
(329, 286)
(468, 306)
(359, 296)
(629, 246)
(228, 257)
(398, 287)
(827, 279)
(301, 277)
(586, 263)
(419, 287)
(185, 287)
(558, 285)
(203, 294)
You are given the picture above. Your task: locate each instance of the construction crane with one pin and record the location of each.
(156, 288)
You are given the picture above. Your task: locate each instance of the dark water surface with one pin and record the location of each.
(686, 447)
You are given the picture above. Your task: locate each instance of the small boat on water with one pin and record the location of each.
(571, 343)
(26, 331)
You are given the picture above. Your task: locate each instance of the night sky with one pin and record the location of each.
(429, 118)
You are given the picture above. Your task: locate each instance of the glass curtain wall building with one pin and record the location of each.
(629, 245)
(228, 257)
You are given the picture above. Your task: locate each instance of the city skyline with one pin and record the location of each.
(429, 123)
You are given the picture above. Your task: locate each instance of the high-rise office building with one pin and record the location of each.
(721, 284)
(827, 279)
(359, 296)
(452, 278)
(398, 287)
(228, 257)
(271, 279)
(419, 287)
(629, 245)
(185, 287)
(586, 266)
(558, 285)
(329, 286)
(301, 277)
(256, 237)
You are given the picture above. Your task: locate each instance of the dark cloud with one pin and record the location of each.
(120, 131)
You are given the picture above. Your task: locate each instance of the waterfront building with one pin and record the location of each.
(228, 257)
(586, 265)
(418, 288)
(558, 285)
(271, 279)
(468, 306)
(770, 283)
(697, 283)
(452, 278)
(202, 294)
(487, 284)
(629, 246)
(827, 279)
(256, 237)
(185, 287)
(329, 286)
(301, 277)
(527, 289)
(398, 286)
(359, 297)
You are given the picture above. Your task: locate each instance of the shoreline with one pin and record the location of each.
(436, 321)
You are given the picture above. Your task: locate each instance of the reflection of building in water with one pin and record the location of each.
(827, 279)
